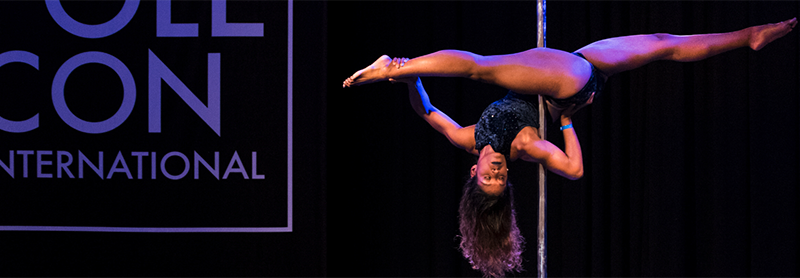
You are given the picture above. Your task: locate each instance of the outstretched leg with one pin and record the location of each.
(620, 54)
(542, 71)
(445, 63)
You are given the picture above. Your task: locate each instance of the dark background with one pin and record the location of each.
(93, 93)
(253, 115)
(691, 168)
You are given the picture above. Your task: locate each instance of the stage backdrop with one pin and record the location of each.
(156, 138)
(691, 168)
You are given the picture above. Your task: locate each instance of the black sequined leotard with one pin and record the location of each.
(503, 119)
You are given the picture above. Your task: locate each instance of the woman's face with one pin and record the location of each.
(491, 173)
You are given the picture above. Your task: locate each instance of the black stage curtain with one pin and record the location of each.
(691, 168)
(26, 25)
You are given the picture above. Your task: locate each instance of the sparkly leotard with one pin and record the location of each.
(503, 119)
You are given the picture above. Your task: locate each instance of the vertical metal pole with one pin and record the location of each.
(542, 231)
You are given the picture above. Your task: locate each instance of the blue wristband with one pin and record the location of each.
(566, 126)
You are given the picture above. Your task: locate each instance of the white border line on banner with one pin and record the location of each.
(288, 227)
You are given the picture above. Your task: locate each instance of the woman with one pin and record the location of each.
(506, 129)
(490, 238)
(564, 79)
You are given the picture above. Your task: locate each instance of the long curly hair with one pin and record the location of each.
(490, 238)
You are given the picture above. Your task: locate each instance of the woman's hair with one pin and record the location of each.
(490, 238)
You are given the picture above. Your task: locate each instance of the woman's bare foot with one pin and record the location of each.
(764, 34)
(370, 74)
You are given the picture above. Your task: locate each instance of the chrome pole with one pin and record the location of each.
(542, 231)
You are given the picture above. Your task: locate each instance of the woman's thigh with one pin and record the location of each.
(615, 55)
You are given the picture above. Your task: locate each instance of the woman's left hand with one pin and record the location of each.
(569, 111)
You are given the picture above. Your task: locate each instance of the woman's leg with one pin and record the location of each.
(542, 71)
(445, 63)
(620, 54)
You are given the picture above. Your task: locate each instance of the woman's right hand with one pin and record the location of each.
(398, 63)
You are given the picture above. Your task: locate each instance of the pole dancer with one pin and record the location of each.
(490, 239)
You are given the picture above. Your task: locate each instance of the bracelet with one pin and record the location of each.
(566, 126)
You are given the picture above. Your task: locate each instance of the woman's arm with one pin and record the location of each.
(567, 163)
(573, 159)
(462, 137)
